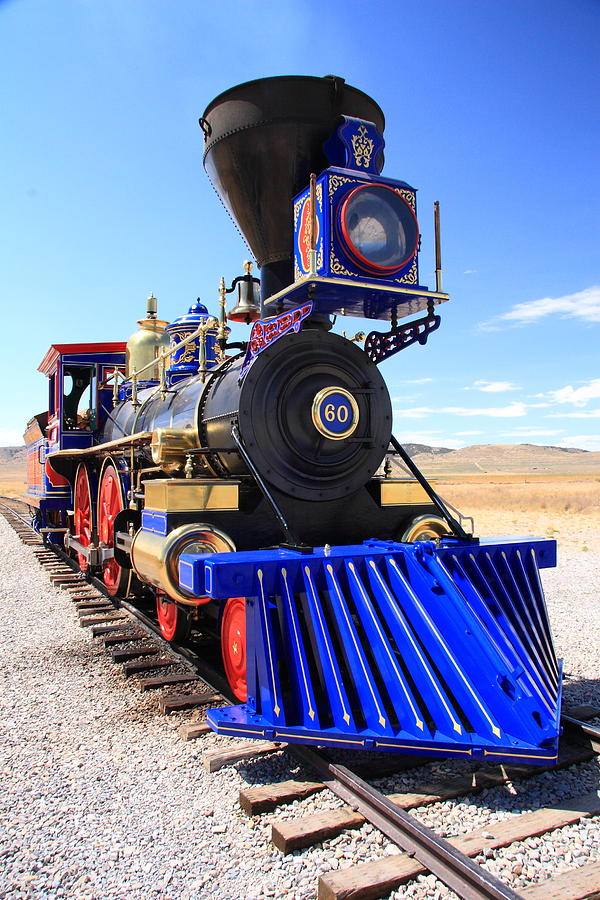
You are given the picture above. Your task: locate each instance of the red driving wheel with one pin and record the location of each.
(110, 503)
(82, 519)
(233, 645)
(173, 620)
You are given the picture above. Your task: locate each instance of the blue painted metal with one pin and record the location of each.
(412, 648)
(332, 188)
(153, 521)
(356, 144)
(186, 360)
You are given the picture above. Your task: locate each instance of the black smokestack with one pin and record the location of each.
(262, 140)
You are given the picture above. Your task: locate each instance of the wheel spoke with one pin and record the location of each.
(173, 620)
(83, 513)
(233, 645)
(110, 504)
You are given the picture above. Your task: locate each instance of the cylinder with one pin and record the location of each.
(155, 557)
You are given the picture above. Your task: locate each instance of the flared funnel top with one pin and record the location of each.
(263, 138)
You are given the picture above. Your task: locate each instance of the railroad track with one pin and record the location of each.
(134, 642)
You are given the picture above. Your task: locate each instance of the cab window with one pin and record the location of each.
(79, 400)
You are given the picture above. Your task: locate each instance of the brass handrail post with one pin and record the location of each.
(163, 375)
(222, 331)
(312, 256)
(438, 247)
(202, 367)
(116, 374)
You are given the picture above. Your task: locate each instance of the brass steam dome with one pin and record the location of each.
(145, 345)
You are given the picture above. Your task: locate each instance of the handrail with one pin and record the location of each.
(140, 437)
(161, 359)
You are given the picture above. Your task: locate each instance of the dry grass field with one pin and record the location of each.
(564, 508)
(13, 475)
(523, 489)
(540, 499)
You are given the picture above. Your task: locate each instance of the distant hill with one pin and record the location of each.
(414, 449)
(518, 458)
(13, 456)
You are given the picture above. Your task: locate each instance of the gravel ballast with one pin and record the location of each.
(101, 798)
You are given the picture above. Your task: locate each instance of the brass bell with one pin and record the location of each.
(247, 308)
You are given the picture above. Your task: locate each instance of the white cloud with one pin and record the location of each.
(583, 441)
(586, 414)
(580, 396)
(584, 305)
(416, 412)
(11, 437)
(467, 433)
(498, 412)
(493, 387)
(414, 381)
(470, 272)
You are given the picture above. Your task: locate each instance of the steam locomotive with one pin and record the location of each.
(255, 489)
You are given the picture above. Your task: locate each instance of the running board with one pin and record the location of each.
(434, 649)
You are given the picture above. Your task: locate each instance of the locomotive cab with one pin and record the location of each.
(78, 403)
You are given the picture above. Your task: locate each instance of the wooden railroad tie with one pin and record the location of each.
(99, 630)
(190, 732)
(218, 759)
(120, 656)
(572, 885)
(306, 831)
(123, 637)
(95, 603)
(169, 703)
(378, 878)
(84, 612)
(158, 681)
(144, 665)
(266, 798)
(101, 618)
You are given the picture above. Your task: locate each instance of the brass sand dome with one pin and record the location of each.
(145, 344)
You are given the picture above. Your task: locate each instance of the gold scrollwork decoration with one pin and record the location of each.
(409, 277)
(297, 208)
(320, 196)
(337, 268)
(336, 181)
(362, 147)
(408, 196)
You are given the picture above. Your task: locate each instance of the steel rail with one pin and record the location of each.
(583, 730)
(15, 513)
(187, 656)
(458, 871)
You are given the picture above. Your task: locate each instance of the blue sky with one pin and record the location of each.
(491, 108)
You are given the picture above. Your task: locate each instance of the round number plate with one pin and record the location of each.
(335, 413)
